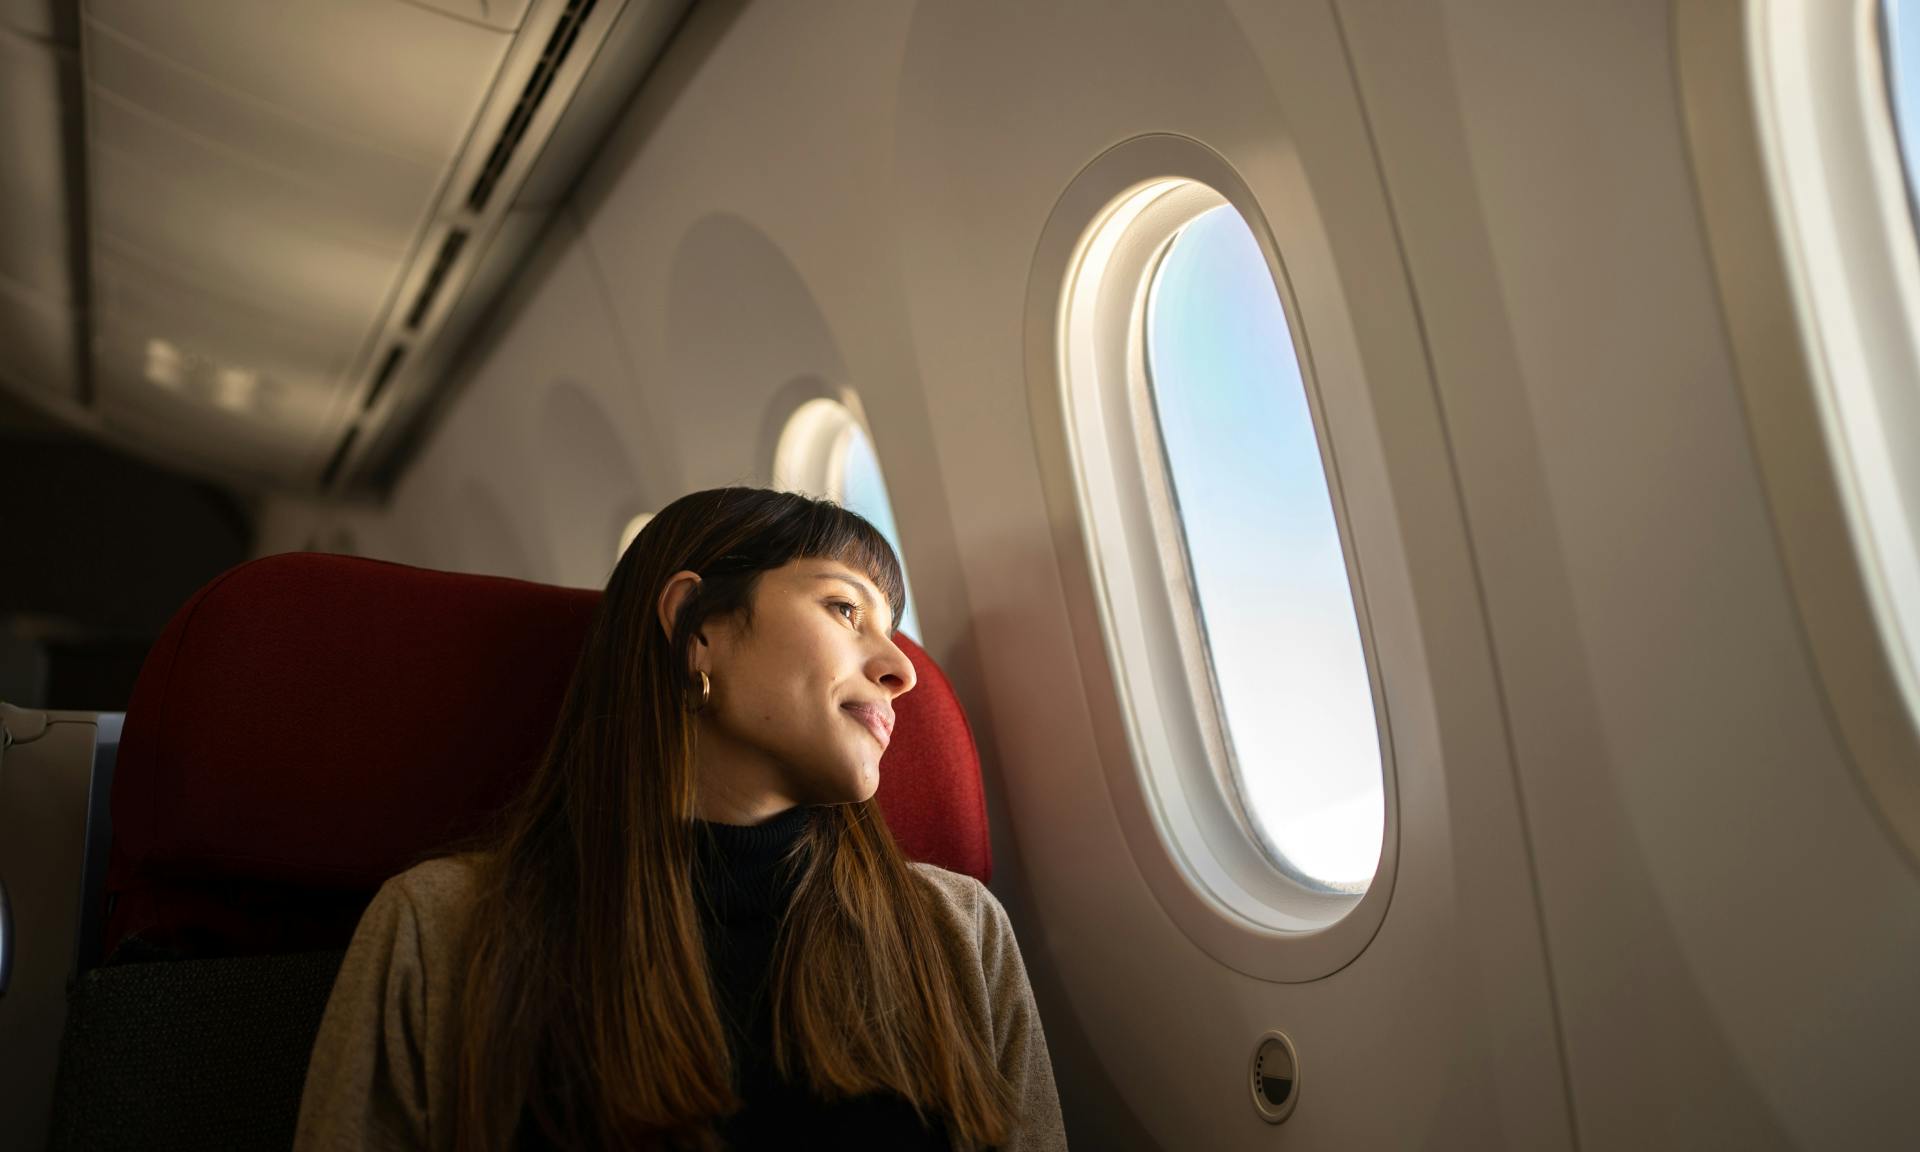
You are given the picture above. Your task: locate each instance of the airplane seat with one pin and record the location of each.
(307, 726)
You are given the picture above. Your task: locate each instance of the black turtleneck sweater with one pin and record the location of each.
(743, 888)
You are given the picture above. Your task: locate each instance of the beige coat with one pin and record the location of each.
(382, 1074)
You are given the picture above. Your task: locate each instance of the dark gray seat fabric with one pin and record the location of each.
(189, 1054)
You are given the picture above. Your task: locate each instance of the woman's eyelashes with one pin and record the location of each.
(852, 608)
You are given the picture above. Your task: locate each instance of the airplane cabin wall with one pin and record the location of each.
(1641, 902)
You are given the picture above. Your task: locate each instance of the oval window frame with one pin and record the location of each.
(1086, 303)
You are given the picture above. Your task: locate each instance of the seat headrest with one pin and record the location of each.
(323, 722)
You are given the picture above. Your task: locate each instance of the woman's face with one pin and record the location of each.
(802, 701)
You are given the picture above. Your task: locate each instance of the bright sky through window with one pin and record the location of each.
(866, 493)
(1265, 553)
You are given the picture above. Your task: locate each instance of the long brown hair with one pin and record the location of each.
(589, 1018)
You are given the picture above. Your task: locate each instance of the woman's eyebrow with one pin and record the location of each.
(865, 599)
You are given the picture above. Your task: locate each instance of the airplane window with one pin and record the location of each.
(1215, 503)
(824, 451)
(1270, 579)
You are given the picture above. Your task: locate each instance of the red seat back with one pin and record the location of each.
(309, 725)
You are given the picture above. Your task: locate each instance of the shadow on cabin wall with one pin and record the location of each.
(100, 549)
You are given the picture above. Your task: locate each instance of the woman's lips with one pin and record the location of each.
(875, 721)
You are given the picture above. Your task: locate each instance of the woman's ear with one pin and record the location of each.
(681, 587)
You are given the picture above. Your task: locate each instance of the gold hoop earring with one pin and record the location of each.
(706, 693)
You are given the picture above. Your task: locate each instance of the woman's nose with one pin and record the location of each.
(896, 672)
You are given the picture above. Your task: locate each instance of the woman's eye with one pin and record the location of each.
(852, 610)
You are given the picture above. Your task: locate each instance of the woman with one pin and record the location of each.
(694, 929)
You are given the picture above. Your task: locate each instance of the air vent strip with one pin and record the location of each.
(421, 330)
(380, 378)
(555, 53)
(437, 275)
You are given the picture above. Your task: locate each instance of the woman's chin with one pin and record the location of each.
(862, 786)
(860, 790)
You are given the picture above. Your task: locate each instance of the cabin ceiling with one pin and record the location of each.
(246, 239)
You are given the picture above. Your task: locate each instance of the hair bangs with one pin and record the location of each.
(832, 532)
